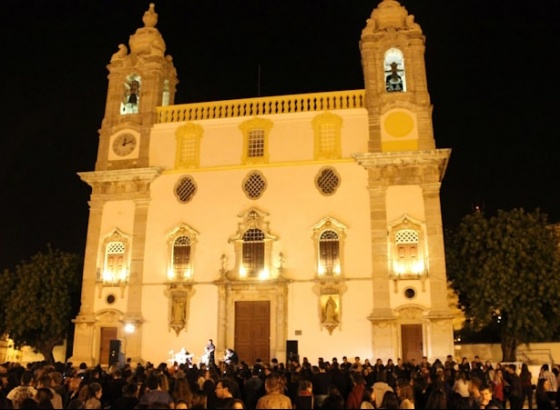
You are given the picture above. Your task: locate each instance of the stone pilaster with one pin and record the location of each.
(85, 321)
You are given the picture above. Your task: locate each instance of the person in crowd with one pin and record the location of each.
(44, 398)
(354, 399)
(231, 357)
(485, 396)
(390, 400)
(499, 387)
(321, 380)
(199, 400)
(45, 381)
(209, 351)
(304, 398)
(129, 398)
(465, 366)
(225, 390)
(368, 401)
(381, 386)
(437, 399)
(527, 386)
(154, 392)
(405, 395)
(542, 396)
(253, 389)
(181, 390)
(180, 404)
(515, 392)
(72, 391)
(23, 391)
(552, 386)
(274, 397)
(236, 404)
(90, 395)
(462, 384)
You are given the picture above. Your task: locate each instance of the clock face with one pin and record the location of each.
(124, 144)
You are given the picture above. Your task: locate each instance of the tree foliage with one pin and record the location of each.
(506, 271)
(40, 299)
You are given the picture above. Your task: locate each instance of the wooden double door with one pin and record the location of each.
(252, 331)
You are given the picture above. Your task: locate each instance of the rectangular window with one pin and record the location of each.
(114, 263)
(253, 258)
(189, 150)
(181, 261)
(255, 146)
(327, 140)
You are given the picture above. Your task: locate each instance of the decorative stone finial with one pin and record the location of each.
(390, 15)
(150, 16)
(148, 40)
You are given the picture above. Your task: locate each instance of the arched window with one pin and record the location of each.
(395, 78)
(131, 95)
(113, 265)
(408, 251)
(181, 243)
(329, 235)
(253, 244)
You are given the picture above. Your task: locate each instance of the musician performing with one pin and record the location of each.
(208, 356)
(231, 357)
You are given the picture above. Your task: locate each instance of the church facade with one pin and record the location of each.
(305, 225)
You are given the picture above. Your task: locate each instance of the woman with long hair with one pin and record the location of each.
(527, 385)
(436, 400)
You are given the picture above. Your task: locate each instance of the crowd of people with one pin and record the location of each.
(232, 384)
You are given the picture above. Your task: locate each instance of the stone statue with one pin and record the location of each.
(179, 310)
(330, 311)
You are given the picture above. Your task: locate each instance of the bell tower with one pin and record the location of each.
(405, 170)
(139, 81)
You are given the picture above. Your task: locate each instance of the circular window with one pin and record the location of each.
(254, 185)
(111, 299)
(327, 181)
(185, 189)
(409, 293)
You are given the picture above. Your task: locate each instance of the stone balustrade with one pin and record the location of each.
(337, 100)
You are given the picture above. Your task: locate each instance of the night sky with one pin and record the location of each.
(492, 78)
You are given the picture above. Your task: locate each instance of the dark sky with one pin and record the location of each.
(492, 77)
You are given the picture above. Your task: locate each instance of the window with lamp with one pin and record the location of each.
(253, 244)
(182, 258)
(253, 253)
(407, 250)
(181, 241)
(329, 235)
(114, 269)
(329, 251)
